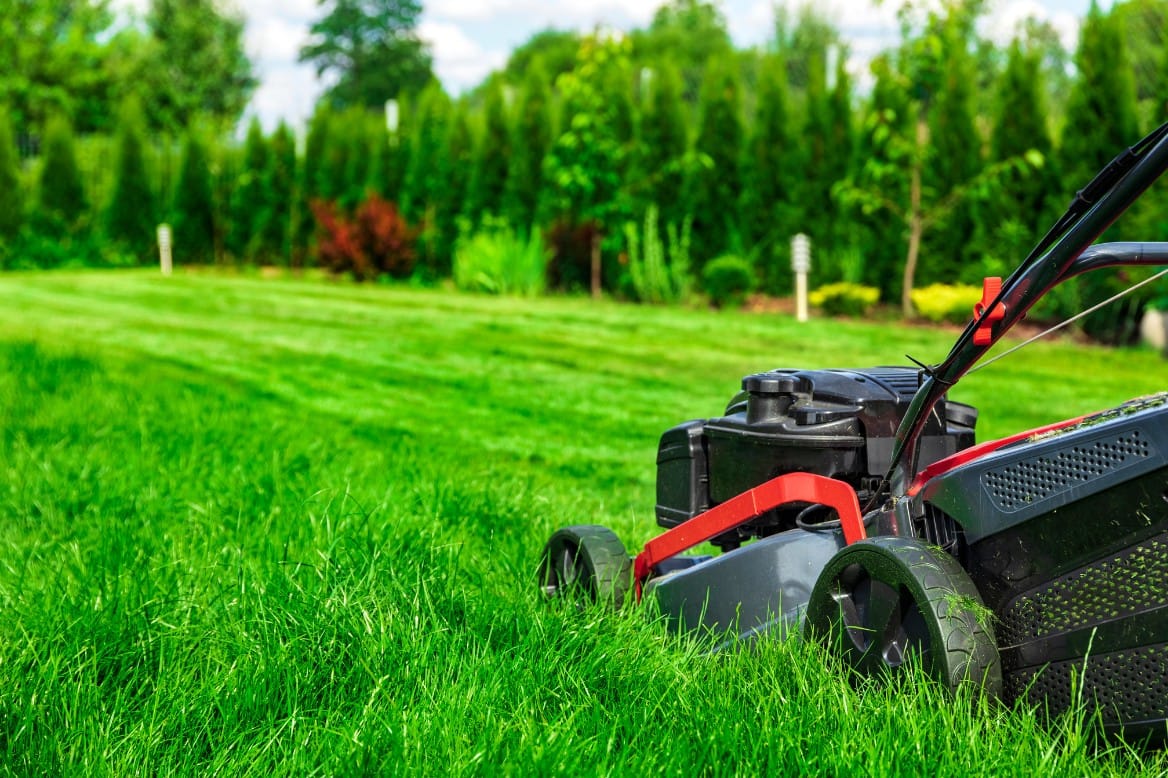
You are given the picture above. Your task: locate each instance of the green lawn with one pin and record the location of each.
(288, 527)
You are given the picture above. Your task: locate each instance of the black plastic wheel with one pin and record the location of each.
(881, 601)
(586, 562)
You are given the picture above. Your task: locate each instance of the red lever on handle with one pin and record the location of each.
(983, 335)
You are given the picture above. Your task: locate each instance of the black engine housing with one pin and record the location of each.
(836, 423)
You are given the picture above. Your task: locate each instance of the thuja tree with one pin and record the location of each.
(427, 176)
(11, 191)
(713, 185)
(459, 153)
(61, 203)
(1101, 118)
(130, 214)
(309, 184)
(956, 154)
(282, 190)
(489, 175)
(662, 145)
(531, 140)
(768, 169)
(426, 173)
(193, 211)
(251, 199)
(1022, 209)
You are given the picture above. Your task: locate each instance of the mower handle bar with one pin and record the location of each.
(1068, 255)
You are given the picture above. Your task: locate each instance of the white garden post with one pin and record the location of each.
(801, 264)
(164, 249)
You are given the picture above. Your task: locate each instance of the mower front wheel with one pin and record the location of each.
(884, 601)
(586, 562)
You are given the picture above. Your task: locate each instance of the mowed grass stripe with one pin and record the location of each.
(290, 527)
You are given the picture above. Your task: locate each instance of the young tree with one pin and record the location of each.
(532, 138)
(278, 235)
(193, 212)
(371, 49)
(1101, 109)
(713, 186)
(427, 178)
(664, 140)
(1022, 209)
(489, 175)
(130, 216)
(426, 174)
(11, 191)
(309, 183)
(767, 174)
(582, 167)
(251, 199)
(956, 153)
(61, 201)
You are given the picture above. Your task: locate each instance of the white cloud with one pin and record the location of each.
(533, 14)
(459, 61)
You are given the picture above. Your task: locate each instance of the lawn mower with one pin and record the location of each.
(852, 506)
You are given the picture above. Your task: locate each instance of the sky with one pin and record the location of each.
(469, 38)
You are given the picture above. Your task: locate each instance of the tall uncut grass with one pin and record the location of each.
(256, 528)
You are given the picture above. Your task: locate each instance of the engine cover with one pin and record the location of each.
(836, 423)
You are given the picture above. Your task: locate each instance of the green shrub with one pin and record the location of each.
(498, 260)
(727, 280)
(944, 302)
(845, 299)
(658, 277)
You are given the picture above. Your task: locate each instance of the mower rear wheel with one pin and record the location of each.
(883, 601)
(586, 562)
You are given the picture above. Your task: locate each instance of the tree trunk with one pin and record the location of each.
(915, 221)
(596, 264)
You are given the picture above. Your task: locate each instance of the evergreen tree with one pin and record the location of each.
(130, 216)
(767, 173)
(425, 176)
(11, 194)
(1101, 109)
(491, 158)
(278, 235)
(1101, 119)
(251, 199)
(664, 139)
(956, 158)
(62, 204)
(533, 137)
(193, 212)
(459, 158)
(1023, 208)
(713, 186)
(889, 118)
(309, 187)
(397, 158)
(817, 155)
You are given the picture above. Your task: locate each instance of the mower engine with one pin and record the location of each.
(839, 424)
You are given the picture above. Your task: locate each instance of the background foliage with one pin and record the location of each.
(944, 165)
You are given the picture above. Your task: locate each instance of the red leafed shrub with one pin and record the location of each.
(385, 236)
(374, 241)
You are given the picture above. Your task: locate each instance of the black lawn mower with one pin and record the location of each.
(1027, 565)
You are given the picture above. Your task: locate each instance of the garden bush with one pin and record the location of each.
(376, 241)
(946, 302)
(727, 280)
(845, 299)
(499, 260)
